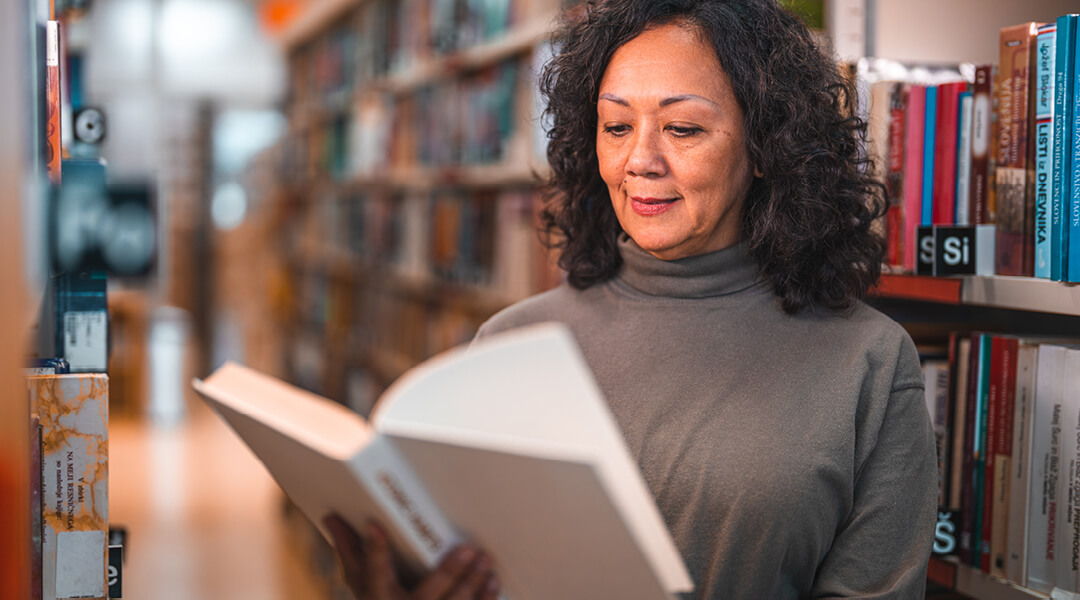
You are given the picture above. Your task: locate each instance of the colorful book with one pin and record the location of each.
(980, 455)
(1042, 537)
(963, 162)
(914, 133)
(1015, 198)
(929, 148)
(53, 141)
(946, 145)
(1073, 216)
(982, 110)
(1000, 450)
(1064, 90)
(959, 391)
(74, 414)
(1044, 145)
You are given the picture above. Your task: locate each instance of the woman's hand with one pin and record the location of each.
(464, 574)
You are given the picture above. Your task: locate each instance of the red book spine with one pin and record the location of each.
(894, 177)
(915, 119)
(981, 138)
(945, 149)
(994, 410)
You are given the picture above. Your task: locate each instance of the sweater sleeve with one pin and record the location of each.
(881, 550)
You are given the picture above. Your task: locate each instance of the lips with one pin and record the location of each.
(648, 207)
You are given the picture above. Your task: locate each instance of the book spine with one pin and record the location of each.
(1062, 145)
(979, 540)
(1068, 571)
(960, 385)
(53, 143)
(1046, 460)
(981, 120)
(73, 412)
(1003, 459)
(36, 507)
(936, 390)
(1044, 146)
(963, 162)
(929, 140)
(894, 174)
(1020, 491)
(1013, 231)
(1073, 260)
(971, 418)
(994, 403)
(915, 129)
(943, 204)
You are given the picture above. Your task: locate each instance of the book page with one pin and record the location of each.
(528, 392)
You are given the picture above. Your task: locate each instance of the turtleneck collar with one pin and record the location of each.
(718, 273)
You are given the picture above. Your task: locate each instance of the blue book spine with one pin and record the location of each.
(1073, 216)
(1044, 145)
(1064, 86)
(927, 216)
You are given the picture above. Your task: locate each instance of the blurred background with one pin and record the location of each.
(329, 191)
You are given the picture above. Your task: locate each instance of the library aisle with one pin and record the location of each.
(203, 516)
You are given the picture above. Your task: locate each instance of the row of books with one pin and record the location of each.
(998, 149)
(385, 37)
(465, 121)
(1006, 413)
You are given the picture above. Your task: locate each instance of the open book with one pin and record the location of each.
(508, 444)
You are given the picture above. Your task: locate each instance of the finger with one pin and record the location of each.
(380, 565)
(476, 578)
(441, 580)
(348, 543)
(492, 588)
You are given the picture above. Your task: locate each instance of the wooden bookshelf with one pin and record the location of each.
(972, 582)
(1015, 293)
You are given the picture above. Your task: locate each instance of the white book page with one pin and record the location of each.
(525, 392)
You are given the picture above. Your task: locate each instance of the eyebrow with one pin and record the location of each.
(665, 102)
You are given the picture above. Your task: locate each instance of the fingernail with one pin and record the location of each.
(464, 555)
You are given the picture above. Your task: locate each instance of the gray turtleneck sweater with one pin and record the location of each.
(791, 456)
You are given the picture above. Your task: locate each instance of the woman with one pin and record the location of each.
(713, 213)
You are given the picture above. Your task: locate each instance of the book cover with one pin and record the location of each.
(930, 127)
(1021, 474)
(936, 381)
(1064, 91)
(982, 110)
(1043, 511)
(1003, 395)
(1015, 170)
(894, 177)
(53, 142)
(971, 497)
(1068, 522)
(445, 453)
(963, 162)
(1044, 145)
(73, 411)
(946, 145)
(915, 130)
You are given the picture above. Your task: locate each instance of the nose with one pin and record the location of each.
(646, 158)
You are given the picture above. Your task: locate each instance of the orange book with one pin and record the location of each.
(53, 147)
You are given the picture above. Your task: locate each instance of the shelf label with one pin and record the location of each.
(86, 340)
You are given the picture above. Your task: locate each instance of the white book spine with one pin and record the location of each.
(1046, 453)
(1020, 488)
(963, 162)
(415, 522)
(1068, 564)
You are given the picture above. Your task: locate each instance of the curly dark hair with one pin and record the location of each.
(807, 222)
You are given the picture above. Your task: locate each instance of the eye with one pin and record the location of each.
(684, 131)
(616, 129)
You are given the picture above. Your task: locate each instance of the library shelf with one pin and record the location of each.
(316, 16)
(975, 583)
(1015, 293)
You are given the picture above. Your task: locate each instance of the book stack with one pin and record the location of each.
(994, 145)
(1006, 412)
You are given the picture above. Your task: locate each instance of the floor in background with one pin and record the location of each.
(203, 516)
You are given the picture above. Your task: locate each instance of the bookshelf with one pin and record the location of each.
(406, 194)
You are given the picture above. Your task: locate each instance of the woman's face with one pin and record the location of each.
(671, 145)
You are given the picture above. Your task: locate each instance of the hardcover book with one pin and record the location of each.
(1064, 92)
(53, 143)
(73, 412)
(1068, 520)
(1015, 170)
(981, 123)
(1044, 145)
(508, 444)
(1042, 536)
